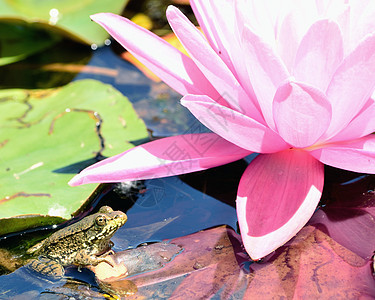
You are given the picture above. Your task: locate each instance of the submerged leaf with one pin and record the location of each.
(349, 215)
(312, 266)
(212, 263)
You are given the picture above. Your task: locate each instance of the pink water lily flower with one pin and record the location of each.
(291, 80)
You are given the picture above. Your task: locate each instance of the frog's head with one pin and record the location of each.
(106, 222)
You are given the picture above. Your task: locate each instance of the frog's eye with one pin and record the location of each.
(100, 220)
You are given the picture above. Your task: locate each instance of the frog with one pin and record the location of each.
(81, 244)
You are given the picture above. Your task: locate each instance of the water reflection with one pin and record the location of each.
(54, 16)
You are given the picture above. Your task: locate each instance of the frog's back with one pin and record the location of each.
(69, 231)
(66, 233)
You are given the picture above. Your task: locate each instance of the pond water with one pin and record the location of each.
(188, 209)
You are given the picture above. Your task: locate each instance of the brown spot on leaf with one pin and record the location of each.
(23, 194)
(3, 143)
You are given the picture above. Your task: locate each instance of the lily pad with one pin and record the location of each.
(17, 41)
(69, 17)
(213, 264)
(349, 213)
(46, 136)
(53, 67)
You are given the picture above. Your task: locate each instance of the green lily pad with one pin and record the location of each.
(53, 67)
(69, 17)
(46, 136)
(17, 41)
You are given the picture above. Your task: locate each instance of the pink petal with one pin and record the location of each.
(302, 114)
(219, 23)
(300, 16)
(216, 32)
(357, 155)
(233, 126)
(165, 157)
(211, 64)
(277, 195)
(260, 16)
(343, 19)
(288, 41)
(352, 85)
(362, 125)
(362, 19)
(340, 12)
(172, 66)
(319, 54)
(266, 71)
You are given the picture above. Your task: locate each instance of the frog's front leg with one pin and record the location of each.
(83, 258)
(47, 267)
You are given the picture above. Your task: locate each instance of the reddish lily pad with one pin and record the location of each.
(212, 263)
(46, 136)
(312, 266)
(348, 216)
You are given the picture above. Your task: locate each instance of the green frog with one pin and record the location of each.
(79, 244)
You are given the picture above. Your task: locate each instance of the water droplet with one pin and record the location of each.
(107, 42)
(94, 46)
(54, 16)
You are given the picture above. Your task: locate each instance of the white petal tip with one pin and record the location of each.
(76, 180)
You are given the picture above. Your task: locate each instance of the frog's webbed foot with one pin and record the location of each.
(108, 262)
(103, 259)
(109, 252)
(83, 259)
(46, 267)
